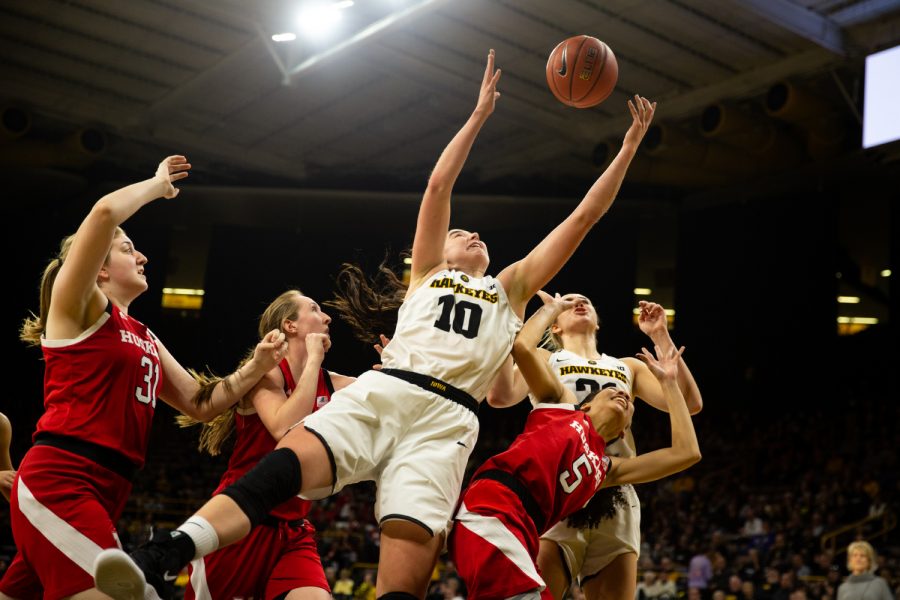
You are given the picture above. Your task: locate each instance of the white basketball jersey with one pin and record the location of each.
(456, 328)
(583, 376)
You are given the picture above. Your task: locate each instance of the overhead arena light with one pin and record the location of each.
(320, 18)
(284, 37)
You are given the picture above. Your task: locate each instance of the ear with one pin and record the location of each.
(289, 326)
(102, 276)
(555, 329)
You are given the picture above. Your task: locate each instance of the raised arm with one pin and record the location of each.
(279, 413)
(532, 364)
(77, 301)
(684, 450)
(180, 389)
(522, 279)
(434, 213)
(652, 321)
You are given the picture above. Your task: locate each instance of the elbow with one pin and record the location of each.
(102, 212)
(693, 457)
(695, 406)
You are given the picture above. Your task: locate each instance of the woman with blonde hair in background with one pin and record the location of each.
(863, 583)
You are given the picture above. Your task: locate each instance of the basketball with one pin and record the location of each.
(582, 71)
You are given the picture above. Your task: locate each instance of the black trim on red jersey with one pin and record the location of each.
(330, 456)
(436, 386)
(530, 505)
(108, 308)
(328, 385)
(103, 456)
(407, 518)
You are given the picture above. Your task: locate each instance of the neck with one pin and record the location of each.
(582, 344)
(296, 358)
(118, 301)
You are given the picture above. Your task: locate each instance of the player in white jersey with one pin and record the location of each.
(599, 545)
(412, 425)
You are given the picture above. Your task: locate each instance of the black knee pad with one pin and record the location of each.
(275, 479)
(398, 596)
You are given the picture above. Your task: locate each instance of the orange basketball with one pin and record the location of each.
(582, 71)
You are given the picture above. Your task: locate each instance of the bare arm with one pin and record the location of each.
(652, 322)
(509, 387)
(7, 474)
(180, 388)
(684, 450)
(434, 212)
(77, 301)
(523, 279)
(279, 412)
(543, 383)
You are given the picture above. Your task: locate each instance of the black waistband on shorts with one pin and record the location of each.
(530, 505)
(105, 457)
(432, 384)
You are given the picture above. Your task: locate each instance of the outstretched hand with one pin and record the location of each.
(488, 95)
(171, 170)
(665, 364)
(271, 349)
(556, 303)
(642, 111)
(652, 319)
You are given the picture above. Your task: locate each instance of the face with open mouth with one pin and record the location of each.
(581, 318)
(464, 250)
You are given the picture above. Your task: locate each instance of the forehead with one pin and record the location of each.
(576, 298)
(305, 301)
(455, 232)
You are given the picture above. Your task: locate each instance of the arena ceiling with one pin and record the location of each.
(376, 102)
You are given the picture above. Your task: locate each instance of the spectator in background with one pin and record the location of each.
(655, 587)
(699, 573)
(343, 587)
(863, 584)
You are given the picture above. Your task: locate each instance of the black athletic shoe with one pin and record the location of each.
(148, 573)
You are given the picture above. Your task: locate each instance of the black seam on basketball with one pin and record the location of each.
(406, 518)
(604, 56)
(330, 456)
(572, 72)
(602, 59)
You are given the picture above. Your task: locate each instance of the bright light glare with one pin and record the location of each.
(284, 37)
(320, 18)
(848, 299)
(858, 320)
(641, 291)
(886, 273)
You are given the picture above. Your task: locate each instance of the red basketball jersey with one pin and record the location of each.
(558, 457)
(253, 441)
(101, 387)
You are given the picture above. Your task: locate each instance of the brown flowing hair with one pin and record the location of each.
(217, 431)
(33, 326)
(368, 305)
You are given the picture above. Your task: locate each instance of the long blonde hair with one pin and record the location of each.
(217, 431)
(33, 326)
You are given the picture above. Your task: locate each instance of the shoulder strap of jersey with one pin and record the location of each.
(326, 378)
(289, 383)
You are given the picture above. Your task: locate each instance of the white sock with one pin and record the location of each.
(201, 532)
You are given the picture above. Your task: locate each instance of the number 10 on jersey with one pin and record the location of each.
(462, 317)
